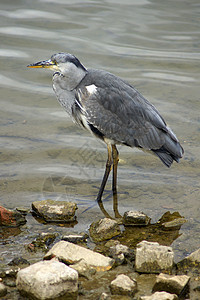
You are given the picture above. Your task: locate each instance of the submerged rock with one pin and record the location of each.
(160, 296)
(11, 218)
(135, 218)
(55, 211)
(48, 280)
(174, 284)
(104, 229)
(71, 253)
(153, 258)
(123, 285)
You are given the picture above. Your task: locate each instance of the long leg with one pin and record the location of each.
(115, 155)
(106, 174)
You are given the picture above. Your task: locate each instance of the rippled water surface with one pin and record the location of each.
(152, 44)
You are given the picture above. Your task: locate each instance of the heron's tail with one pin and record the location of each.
(170, 151)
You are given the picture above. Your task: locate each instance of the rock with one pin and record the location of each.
(174, 284)
(160, 296)
(3, 290)
(41, 242)
(11, 218)
(71, 253)
(153, 258)
(19, 261)
(48, 280)
(24, 211)
(104, 229)
(123, 285)
(104, 296)
(83, 269)
(135, 218)
(192, 261)
(75, 238)
(171, 221)
(119, 252)
(55, 211)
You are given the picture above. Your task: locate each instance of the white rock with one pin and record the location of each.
(153, 258)
(123, 285)
(160, 296)
(47, 280)
(71, 253)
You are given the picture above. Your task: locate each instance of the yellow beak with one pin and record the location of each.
(44, 64)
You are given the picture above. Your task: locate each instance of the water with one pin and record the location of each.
(152, 44)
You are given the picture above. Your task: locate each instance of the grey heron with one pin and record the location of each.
(111, 109)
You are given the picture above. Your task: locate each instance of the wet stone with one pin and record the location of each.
(11, 218)
(104, 229)
(3, 290)
(153, 258)
(75, 238)
(24, 211)
(48, 280)
(171, 221)
(119, 252)
(135, 218)
(55, 211)
(192, 261)
(71, 253)
(123, 285)
(19, 261)
(174, 284)
(160, 296)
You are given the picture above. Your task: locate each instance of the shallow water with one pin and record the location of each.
(155, 46)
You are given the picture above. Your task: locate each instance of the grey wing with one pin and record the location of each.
(125, 116)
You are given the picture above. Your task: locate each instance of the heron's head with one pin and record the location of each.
(61, 62)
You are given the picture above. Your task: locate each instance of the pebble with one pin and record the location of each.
(48, 280)
(11, 218)
(55, 211)
(153, 258)
(135, 218)
(123, 285)
(160, 296)
(71, 253)
(174, 284)
(104, 229)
